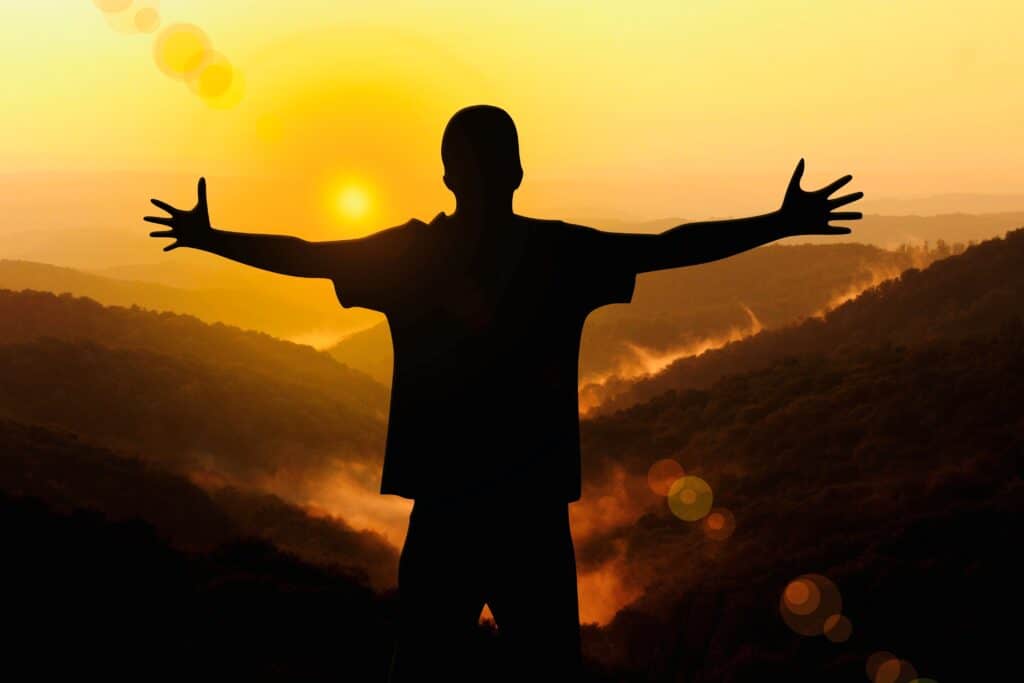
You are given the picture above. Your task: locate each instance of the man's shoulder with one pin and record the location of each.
(553, 227)
(441, 217)
(565, 234)
(539, 222)
(410, 228)
(419, 223)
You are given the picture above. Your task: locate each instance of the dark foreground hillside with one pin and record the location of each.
(116, 570)
(88, 598)
(69, 474)
(894, 471)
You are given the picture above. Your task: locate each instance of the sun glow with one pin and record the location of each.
(353, 202)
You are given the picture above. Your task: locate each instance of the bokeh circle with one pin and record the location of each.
(181, 50)
(663, 474)
(809, 602)
(690, 498)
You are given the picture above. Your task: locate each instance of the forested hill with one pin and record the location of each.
(880, 448)
(966, 294)
(194, 397)
(895, 471)
(30, 314)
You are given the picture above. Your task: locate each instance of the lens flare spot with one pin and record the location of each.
(663, 474)
(885, 667)
(875, 661)
(809, 602)
(888, 671)
(838, 628)
(147, 20)
(690, 498)
(112, 5)
(719, 524)
(797, 592)
(802, 596)
(230, 97)
(134, 16)
(181, 50)
(212, 78)
(895, 670)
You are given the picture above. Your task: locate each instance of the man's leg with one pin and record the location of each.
(440, 597)
(534, 595)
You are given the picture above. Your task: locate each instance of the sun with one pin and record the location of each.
(353, 202)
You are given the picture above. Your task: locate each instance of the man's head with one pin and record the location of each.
(480, 151)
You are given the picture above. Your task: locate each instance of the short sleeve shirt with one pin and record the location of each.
(486, 324)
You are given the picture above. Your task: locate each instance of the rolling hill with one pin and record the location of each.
(879, 447)
(954, 297)
(196, 397)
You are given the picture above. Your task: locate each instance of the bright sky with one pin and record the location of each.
(625, 109)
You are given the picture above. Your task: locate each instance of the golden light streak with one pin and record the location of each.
(603, 593)
(645, 362)
(875, 277)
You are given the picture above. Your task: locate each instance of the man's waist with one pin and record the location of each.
(482, 473)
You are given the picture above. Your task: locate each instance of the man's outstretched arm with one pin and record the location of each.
(277, 253)
(802, 213)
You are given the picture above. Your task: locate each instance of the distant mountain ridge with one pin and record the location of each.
(257, 310)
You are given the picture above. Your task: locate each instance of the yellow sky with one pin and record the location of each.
(625, 110)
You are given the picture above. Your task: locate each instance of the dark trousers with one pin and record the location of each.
(516, 556)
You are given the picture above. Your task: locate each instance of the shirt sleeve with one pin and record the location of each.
(375, 271)
(600, 273)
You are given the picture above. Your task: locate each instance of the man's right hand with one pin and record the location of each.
(189, 228)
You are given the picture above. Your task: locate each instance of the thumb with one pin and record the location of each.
(798, 173)
(202, 192)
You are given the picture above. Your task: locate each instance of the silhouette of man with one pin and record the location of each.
(486, 308)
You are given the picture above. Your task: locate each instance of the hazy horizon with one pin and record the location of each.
(622, 114)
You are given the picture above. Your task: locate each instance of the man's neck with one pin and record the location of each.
(483, 212)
